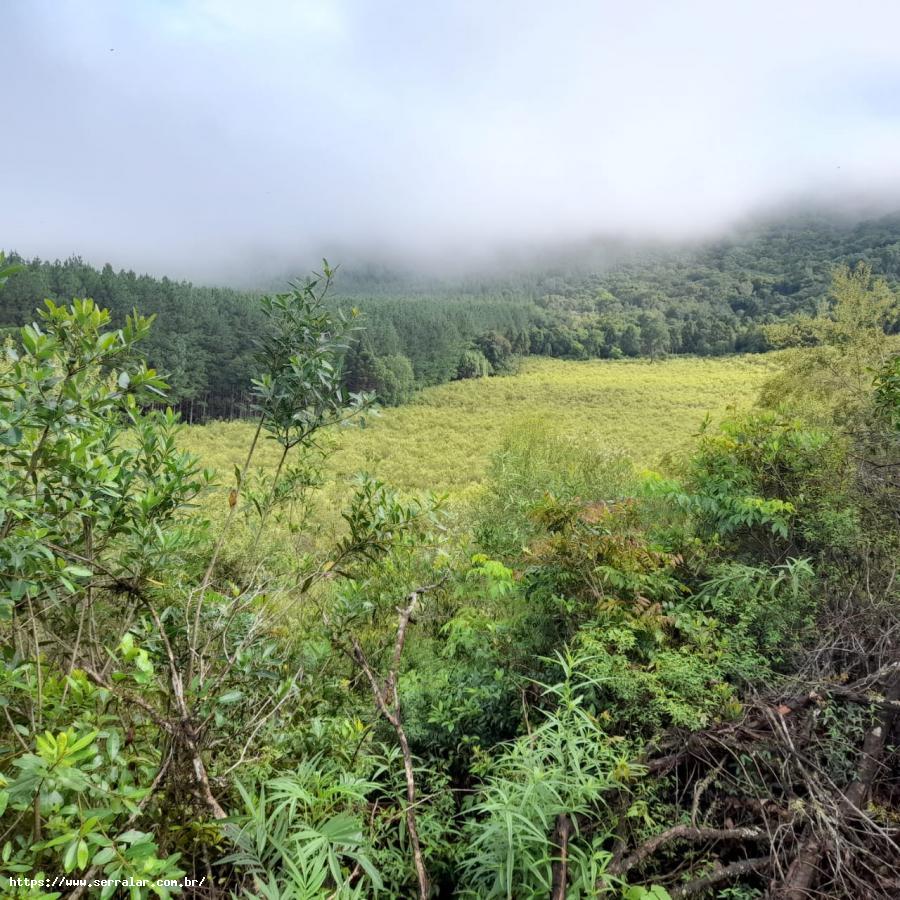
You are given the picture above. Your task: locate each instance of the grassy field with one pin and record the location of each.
(443, 441)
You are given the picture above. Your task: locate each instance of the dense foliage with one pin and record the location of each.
(711, 299)
(598, 682)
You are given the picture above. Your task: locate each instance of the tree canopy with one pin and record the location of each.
(712, 299)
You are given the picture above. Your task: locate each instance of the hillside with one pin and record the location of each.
(590, 301)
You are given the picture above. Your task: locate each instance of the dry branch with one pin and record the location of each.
(726, 873)
(685, 833)
(387, 701)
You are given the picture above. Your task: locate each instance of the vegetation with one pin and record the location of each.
(585, 680)
(600, 302)
(444, 440)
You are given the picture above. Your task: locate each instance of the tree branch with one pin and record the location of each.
(726, 873)
(686, 833)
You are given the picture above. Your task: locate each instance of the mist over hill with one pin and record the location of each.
(590, 299)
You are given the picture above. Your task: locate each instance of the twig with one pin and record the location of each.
(726, 873)
(686, 833)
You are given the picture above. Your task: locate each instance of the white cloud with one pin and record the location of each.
(186, 134)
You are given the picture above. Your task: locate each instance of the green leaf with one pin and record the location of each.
(11, 437)
(231, 697)
(102, 857)
(132, 836)
(70, 856)
(83, 854)
(82, 742)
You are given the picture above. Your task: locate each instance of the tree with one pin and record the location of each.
(358, 367)
(497, 350)
(832, 355)
(630, 341)
(654, 335)
(394, 380)
(473, 364)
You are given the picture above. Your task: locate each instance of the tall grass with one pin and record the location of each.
(445, 439)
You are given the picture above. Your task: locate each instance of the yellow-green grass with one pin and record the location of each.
(443, 440)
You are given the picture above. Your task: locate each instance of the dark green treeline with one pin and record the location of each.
(707, 300)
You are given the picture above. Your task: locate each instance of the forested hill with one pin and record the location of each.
(709, 300)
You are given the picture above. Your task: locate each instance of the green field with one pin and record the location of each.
(444, 439)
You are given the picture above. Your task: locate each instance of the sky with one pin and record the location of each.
(224, 139)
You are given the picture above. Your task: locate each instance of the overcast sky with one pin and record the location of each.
(197, 137)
